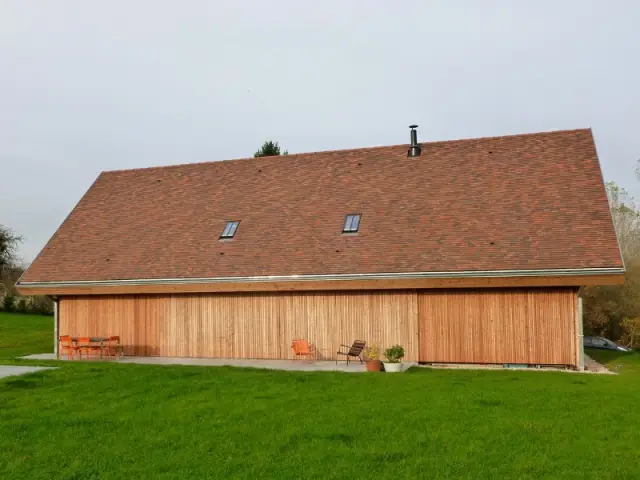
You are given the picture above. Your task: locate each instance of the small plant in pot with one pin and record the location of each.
(371, 358)
(394, 356)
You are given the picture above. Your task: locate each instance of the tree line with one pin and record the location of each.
(613, 311)
(10, 271)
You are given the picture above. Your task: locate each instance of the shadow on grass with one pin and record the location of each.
(20, 384)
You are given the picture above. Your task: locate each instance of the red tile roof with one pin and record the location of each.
(521, 202)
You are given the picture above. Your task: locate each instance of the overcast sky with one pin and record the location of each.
(87, 86)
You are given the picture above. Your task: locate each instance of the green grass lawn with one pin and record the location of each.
(93, 420)
(24, 334)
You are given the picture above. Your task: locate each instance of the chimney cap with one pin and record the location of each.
(413, 126)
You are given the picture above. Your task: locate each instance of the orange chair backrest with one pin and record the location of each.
(114, 340)
(84, 339)
(65, 341)
(300, 347)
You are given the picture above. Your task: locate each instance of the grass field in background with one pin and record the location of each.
(22, 334)
(95, 420)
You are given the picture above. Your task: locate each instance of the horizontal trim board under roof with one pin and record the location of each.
(335, 277)
(328, 286)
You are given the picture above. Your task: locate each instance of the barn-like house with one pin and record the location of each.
(461, 251)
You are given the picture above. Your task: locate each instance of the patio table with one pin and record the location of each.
(99, 340)
(92, 339)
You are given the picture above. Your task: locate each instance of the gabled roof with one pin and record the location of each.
(522, 202)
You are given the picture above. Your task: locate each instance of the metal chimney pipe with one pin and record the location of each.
(414, 150)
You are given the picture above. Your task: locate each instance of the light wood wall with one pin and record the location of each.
(535, 326)
(245, 325)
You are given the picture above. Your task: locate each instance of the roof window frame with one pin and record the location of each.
(348, 226)
(230, 230)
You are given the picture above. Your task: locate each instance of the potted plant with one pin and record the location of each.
(394, 356)
(371, 358)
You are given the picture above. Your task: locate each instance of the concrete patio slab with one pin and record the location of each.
(591, 366)
(288, 365)
(40, 356)
(14, 370)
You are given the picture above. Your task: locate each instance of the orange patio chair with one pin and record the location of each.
(66, 347)
(301, 349)
(113, 347)
(87, 347)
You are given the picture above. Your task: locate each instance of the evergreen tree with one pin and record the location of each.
(269, 149)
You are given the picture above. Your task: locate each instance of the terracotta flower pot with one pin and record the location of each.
(373, 365)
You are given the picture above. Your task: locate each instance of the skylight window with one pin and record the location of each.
(351, 223)
(230, 230)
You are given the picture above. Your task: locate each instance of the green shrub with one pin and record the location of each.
(394, 354)
(22, 306)
(41, 305)
(9, 303)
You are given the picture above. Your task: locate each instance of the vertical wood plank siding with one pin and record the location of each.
(505, 326)
(476, 326)
(245, 325)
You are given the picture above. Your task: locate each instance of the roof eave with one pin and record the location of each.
(325, 278)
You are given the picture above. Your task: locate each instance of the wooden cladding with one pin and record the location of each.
(534, 326)
(245, 325)
(328, 285)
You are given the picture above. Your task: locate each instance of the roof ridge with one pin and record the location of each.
(359, 149)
